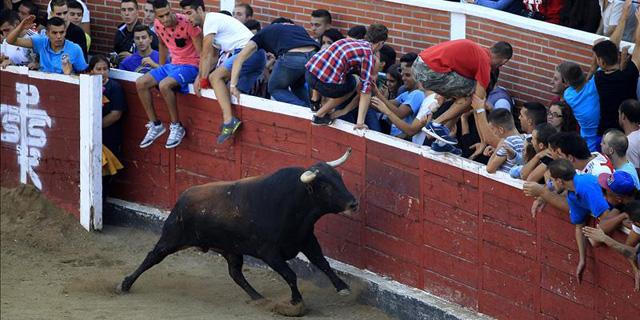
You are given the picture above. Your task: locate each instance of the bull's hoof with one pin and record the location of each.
(120, 290)
(344, 292)
(290, 310)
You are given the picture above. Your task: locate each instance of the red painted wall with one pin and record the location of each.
(59, 168)
(461, 236)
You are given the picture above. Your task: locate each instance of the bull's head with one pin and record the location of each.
(328, 187)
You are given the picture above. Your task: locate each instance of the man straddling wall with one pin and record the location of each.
(227, 35)
(183, 42)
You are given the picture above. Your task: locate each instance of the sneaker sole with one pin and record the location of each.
(142, 146)
(437, 137)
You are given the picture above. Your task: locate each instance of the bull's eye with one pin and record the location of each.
(326, 188)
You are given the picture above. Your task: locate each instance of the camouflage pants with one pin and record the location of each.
(449, 84)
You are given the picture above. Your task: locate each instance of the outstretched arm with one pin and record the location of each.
(14, 36)
(616, 36)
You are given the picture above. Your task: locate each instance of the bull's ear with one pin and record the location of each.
(308, 176)
(341, 160)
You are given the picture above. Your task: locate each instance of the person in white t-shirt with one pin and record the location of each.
(10, 54)
(223, 34)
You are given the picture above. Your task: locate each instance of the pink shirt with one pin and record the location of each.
(187, 54)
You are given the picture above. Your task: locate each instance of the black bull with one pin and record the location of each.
(268, 217)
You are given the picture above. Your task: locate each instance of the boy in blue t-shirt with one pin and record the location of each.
(584, 197)
(144, 59)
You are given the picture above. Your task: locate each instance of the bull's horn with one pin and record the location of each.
(342, 159)
(308, 176)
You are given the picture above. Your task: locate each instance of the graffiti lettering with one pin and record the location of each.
(24, 126)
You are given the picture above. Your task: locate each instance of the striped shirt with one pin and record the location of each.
(515, 143)
(343, 57)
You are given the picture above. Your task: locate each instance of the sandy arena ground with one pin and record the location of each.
(51, 268)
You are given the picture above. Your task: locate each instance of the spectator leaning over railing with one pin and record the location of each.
(144, 59)
(184, 42)
(10, 54)
(460, 70)
(332, 73)
(629, 117)
(223, 34)
(613, 83)
(73, 33)
(629, 250)
(57, 55)
(582, 96)
(293, 47)
(584, 197)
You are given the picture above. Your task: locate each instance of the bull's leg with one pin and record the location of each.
(296, 306)
(279, 265)
(159, 252)
(313, 251)
(235, 261)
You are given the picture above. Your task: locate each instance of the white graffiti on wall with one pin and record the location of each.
(24, 126)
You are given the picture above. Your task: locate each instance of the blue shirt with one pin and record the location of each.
(132, 62)
(51, 61)
(412, 99)
(586, 199)
(586, 108)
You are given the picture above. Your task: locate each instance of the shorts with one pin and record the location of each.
(449, 84)
(184, 74)
(332, 90)
(251, 70)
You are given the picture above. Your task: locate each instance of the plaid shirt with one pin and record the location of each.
(335, 63)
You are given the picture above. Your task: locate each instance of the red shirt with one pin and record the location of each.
(464, 57)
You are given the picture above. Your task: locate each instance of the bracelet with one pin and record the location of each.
(480, 110)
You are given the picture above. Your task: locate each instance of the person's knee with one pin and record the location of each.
(143, 83)
(220, 74)
(166, 85)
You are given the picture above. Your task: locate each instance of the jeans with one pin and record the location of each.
(371, 118)
(251, 69)
(287, 82)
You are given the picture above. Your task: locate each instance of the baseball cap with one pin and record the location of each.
(619, 182)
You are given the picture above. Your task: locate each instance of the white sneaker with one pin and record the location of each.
(153, 132)
(176, 133)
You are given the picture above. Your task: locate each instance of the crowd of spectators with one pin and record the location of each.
(579, 152)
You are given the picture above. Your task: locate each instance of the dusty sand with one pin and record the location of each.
(52, 269)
